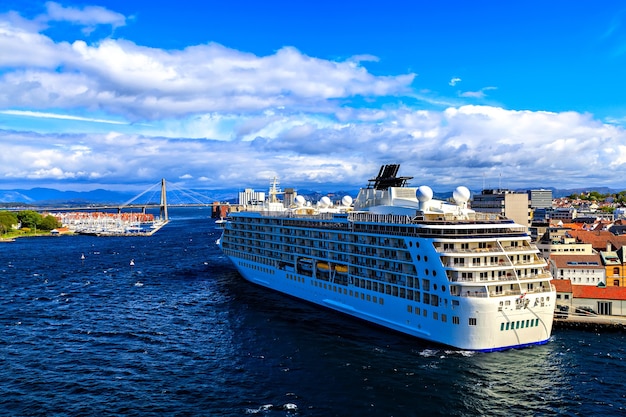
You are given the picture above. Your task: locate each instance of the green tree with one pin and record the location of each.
(7, 220)
(49, 222)
(29, 218)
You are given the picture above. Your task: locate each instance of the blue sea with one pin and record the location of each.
(180, 333)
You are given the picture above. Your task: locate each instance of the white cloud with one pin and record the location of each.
(476, 94)
(88, 16)
(44, 115)
(246, 117)
(141, 83)
(467, 145)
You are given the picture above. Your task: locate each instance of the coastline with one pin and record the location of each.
(595, 323)
(12, 238)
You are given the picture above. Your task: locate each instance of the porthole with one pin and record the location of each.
(443, 287)
(419, 258)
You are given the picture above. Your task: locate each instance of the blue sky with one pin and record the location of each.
(216, 94)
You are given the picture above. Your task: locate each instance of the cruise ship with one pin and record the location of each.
(399, 258)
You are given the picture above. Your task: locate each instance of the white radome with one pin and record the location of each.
(461, 194)
(424, 193)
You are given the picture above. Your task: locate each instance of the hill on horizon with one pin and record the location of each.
(50, 196)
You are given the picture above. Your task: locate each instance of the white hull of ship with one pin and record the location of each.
(489, 334)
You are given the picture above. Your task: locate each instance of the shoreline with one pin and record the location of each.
(595, 323)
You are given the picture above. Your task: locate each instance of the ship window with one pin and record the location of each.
(435, 287)
(409, 308)
(374, 299)
(472, 321)
(419, 258)
(434, 273)
(426, 284)
(417, 244)
(522, 324)
(435, 315)
(416, 296)
(527, 323)
(501, 326)
(425, 313)
(369, 298)
(381, 301)
(409, 281)
(409, 294)
(517, 324)
(507, 326)
(443, 288)
(456, 320)
(444, 318)
(395, 290)
(434, 300)
(425, 258)
(417, 311)
(362, 296)
(536, 322)
(426, 298)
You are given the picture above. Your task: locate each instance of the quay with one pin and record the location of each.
(591, 322)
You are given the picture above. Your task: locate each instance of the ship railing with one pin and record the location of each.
(379, 218)
(476, 294)
(529, 263)
(291, 215)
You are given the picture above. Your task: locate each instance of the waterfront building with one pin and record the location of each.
(249, 197)
(614, 268)
(559, 241)
(540, 199)
(579, 269)
(507, 203)
(565, 214)
(589, 300)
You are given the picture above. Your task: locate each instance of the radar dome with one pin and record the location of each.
(346, 200)
(424, 193)
(461, 195)
(300, 201)
(325, 202)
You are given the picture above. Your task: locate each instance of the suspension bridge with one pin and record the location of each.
(154, 196)
(123, 219)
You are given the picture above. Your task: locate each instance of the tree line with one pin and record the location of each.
(29, 220)
(618, 198)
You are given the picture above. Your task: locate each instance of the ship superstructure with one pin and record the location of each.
(397, 257)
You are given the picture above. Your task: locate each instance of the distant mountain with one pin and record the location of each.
(49, 196)
(52, 197)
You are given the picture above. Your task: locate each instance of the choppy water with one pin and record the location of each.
(181, 334)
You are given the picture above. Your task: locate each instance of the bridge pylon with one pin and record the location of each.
(163, 208)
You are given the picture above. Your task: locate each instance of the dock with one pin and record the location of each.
(591, 322)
